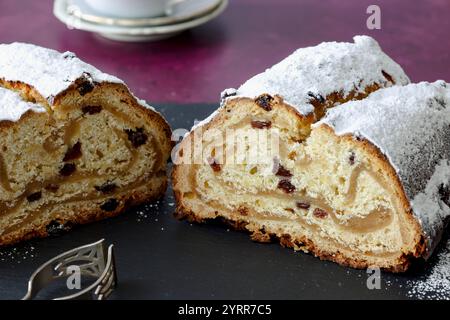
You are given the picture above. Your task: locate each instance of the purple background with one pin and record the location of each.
(248, 37)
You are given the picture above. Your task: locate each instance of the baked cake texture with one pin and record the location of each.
(75, 144)
(366, 185)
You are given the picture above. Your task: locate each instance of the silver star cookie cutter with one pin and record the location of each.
(93, 260)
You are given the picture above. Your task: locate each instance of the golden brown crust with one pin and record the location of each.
(261, 233)
(383, 161)
(126, 200)
(84, 216)
(285, 240)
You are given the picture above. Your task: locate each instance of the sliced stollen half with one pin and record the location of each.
(259, 163)
(75, 144)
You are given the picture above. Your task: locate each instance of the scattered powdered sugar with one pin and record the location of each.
(411, 126)
(12, 106)
(17, 254)
(324, 69)
(436, 284)
(48, 71)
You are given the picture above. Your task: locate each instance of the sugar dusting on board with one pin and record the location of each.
(436, 284)
(18, 254)
(411, 126)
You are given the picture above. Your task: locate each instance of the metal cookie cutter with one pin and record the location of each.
(93, 260)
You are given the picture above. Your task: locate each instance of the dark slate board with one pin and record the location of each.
(159, 257)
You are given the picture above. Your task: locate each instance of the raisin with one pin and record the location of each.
(52, 187)
(91, 109)
(264, 101)
(85, 87)
(34, 196)
(303, 205)
(68, 55)
(110, 205)
(257, 124)
(316, 96)
(73, 153)
(214, 164)
(319, 213)
(289, 210)
(351, 159)
(56, 228)
(67, 169)
(107, 187)
(286, 186)
(283, 172)
(85, 84)
(137, 137)
(388, 76)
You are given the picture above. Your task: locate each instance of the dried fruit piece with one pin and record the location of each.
(91, 109)
(107, 187)
(320, 213)
(265, 101)
(351, 159)
(261, 124)
(137, 137)
(73, 153)
(85, 87)
(253, 170)
(303, 205)
(214, 164)
(286, 186)
(34, 196)
(316, 96)
(283, 172)
(85, 84)
(67, 169)
(388, 76)
(68, 55)
(110, 205)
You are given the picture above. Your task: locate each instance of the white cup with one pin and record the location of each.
(133, 8)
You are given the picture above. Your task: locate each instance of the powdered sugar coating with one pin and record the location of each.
(48, 71)
(411, 126)
(12, 106)
(324, 69)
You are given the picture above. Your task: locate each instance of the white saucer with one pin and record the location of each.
(132, 33)
(181, 11)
